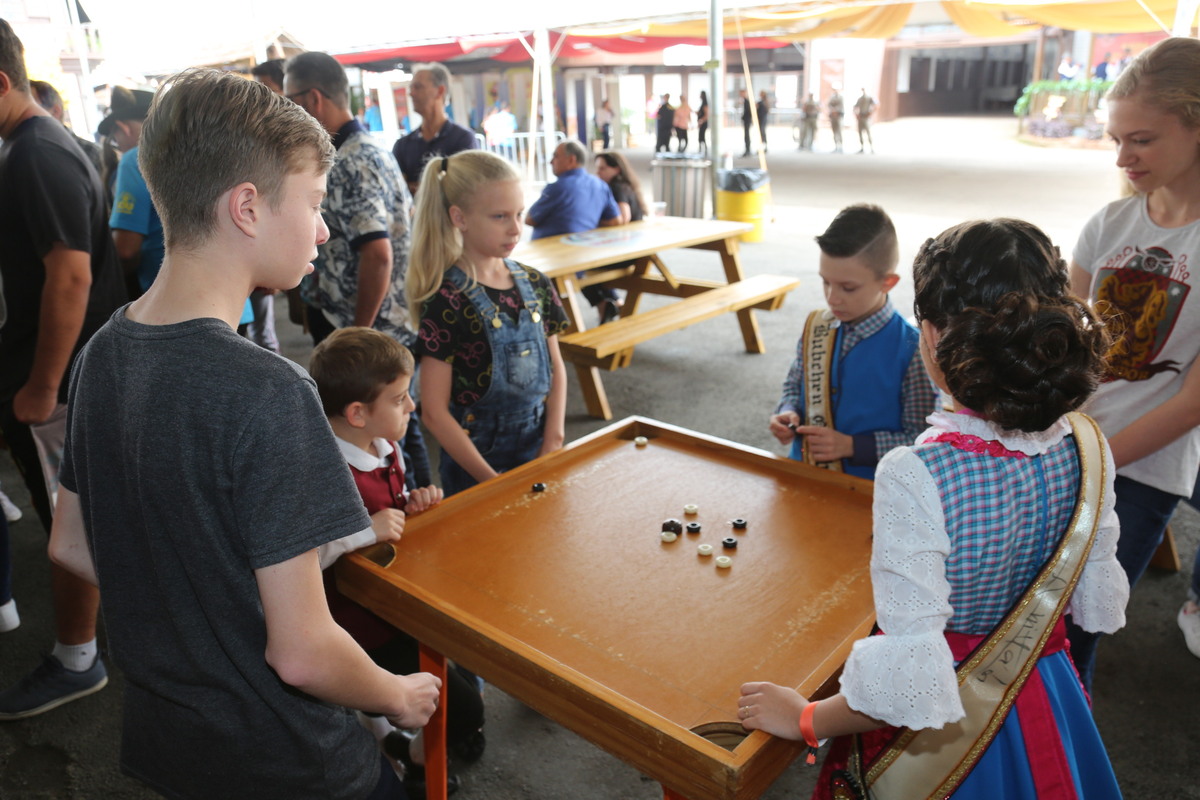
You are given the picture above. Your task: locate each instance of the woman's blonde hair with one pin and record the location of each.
(1166, 76)
(437, 244)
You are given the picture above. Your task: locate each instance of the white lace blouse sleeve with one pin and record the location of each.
(1098, 604)
(906, 677)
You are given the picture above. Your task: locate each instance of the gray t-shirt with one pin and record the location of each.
(199, 457)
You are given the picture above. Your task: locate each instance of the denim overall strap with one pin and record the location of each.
(506, 423)
(520, 354)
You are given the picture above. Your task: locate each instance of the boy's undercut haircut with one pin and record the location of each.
(12, 58)
(209, 131)
(353, 365)
(320, 71)
(864, 232)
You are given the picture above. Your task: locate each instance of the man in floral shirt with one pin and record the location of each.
(359, 278)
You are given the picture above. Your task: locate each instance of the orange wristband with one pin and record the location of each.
(810, 735)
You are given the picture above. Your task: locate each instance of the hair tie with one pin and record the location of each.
(445, 162)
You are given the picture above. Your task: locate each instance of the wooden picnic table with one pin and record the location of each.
(569, 600)
(575, 260)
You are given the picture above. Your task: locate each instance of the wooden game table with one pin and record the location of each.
(575, 260)
(569, 600)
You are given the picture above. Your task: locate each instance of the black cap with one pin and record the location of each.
(126, 104)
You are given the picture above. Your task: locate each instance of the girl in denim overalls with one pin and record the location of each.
(493, 388)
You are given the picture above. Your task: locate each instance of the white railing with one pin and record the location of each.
(522, 149)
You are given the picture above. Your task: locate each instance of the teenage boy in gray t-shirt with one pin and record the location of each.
(200, 477)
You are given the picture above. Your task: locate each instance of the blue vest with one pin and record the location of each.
(867, 384)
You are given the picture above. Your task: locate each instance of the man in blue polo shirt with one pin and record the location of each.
(438, 135)
(576, 201)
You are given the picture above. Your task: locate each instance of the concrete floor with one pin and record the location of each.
(929, 174)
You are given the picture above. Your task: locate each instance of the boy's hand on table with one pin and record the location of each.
(826, 444)
(421, 700)
(783, 426)
(423, 499)
(388, 524)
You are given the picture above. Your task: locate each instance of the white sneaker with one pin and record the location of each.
(10, 620)
(1189, 623)
(11, 512)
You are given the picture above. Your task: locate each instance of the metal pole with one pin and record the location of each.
(716, 93)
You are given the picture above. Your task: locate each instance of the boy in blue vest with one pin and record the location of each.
(858, 387)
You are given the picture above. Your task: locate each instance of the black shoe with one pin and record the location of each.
(470, 750)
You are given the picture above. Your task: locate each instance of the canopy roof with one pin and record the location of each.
(781, 25)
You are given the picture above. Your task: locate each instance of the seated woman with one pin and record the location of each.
(613, 169)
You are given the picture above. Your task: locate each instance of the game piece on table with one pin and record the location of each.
(669, 536)
(739, 524)
(724, 562)
(693, 527)
(691, 508)
(729, 544)
(673, 525)
(704, 549)
(641, 441)
(539, 487)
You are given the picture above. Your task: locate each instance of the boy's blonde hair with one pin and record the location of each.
(353, 365)
(437, 244)
(209, 131)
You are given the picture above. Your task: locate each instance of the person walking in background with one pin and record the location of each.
(682, 121)
(837, 110)
(702, 124)
(864, 107)
(747, 121)
(664, 125)
(811, 111)
(763, 109)
(604, 120)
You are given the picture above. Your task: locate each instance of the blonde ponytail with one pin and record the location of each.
(437, 244)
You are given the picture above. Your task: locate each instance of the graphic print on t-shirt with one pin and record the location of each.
(1145, 287)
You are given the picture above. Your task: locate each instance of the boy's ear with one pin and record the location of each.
(355, 414)
(5, 83)
(890, 280)
(244, 206)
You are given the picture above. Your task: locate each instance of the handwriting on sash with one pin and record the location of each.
(1010, 653)
(817, 372)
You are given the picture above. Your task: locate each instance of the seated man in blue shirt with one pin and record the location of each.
(576, 201)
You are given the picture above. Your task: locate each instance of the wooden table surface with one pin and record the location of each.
(571, 252)
(569, 600)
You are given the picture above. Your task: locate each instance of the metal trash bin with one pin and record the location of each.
(741, 194)
(682, 181)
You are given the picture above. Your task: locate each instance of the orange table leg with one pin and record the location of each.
(436, 771)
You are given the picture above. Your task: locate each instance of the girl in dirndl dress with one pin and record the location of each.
(965, 520)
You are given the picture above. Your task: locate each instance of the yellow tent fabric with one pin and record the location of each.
(1120, 16)
(885, 23)
(830, 27)
(982, 21)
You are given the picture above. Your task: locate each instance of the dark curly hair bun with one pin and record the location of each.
(1015, 345)
(1025, 362)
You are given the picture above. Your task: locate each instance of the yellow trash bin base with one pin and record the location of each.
(744, 207)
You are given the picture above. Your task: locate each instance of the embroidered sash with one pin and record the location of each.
(820, 339)
(932, 763)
